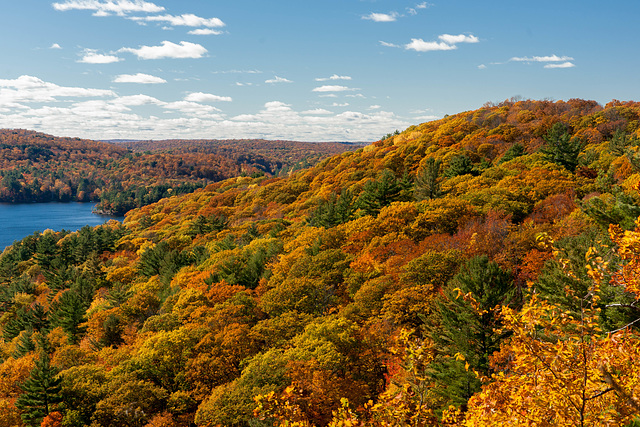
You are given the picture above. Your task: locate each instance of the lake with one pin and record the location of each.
(20, 220)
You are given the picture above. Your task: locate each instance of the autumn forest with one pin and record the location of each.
(478, 270)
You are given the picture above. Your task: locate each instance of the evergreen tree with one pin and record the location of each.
(368, 201)
(25, 344)
(516, 150)
(36, 318)
(69, 314)
(426, 184)
(112, 332)
(388, 188)
(379, 193)
(406, 188)
(561, 148)
(616, 208)
(568, 291)
(459, 165)
(333, 211)
(618, 143)
(460, 328)
(41, 392)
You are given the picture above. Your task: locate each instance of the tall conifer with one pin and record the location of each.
(42, 391)
(461, 328)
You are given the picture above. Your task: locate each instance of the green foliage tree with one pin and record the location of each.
(426, 182)
(561, 147)
(379, 193)
(515, 151)
(163, 260)
(41, 392)
(619, 143)
(616, 207)
(466, 322)
(334, 211)
(459, 165)
(568, 291)
(204, 225)
(70, 314)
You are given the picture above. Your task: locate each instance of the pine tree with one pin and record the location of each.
(426, 184)
(561, 148)
(406, 188)
(69, 314)
(368, 201)
(459, 165)
(570, 291)
(516, 150)
(333, 211)
(379, 193)
(25, 344)
(465, 323)
(42, 391)
(388, 188)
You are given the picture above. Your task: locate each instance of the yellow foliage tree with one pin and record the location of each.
(563, 369)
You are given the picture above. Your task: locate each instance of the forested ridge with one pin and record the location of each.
(35, 167)
(478, 270)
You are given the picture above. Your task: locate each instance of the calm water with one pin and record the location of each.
(20, 220)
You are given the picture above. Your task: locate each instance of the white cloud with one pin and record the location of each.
(55, 46)
(277, 79)
(186, 20)
(205, 32)
(168, 50)
(549, 58)
(317, 111)
(29, 102)
(118, 7)
(333, 77)
(277, 106)
(332, 88)
(447, 42)
(561, 65)
(355, 95)
(92, 57)
(188, 107)
(460, 38)
(420, 45)
(414, 10)
(374, 107)
(335, 104)
(237, 72)
(137, 100)
(388, 44)
(381, 17)
(426, 118)
(206, 97)
(26, 89)
(122, 118)
(482, 67)
(139, 78)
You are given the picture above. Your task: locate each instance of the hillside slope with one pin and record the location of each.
(461, 272)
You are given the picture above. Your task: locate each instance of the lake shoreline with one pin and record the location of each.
(19, 220)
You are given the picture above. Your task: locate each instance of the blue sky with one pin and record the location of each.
(332, 70)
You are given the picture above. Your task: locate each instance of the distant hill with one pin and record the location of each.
(273, 157)
(39, 167)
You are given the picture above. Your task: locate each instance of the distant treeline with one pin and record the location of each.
(35, 167)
